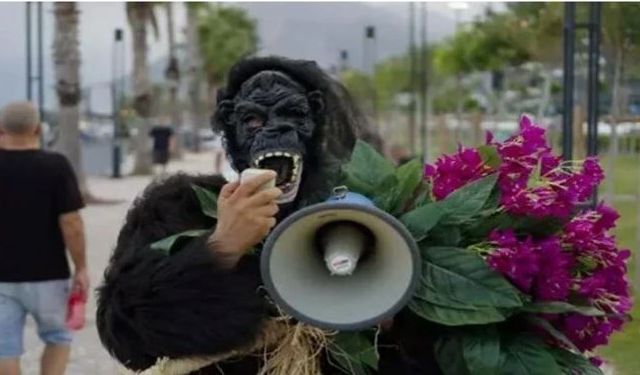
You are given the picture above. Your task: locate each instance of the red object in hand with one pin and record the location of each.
(75, 310)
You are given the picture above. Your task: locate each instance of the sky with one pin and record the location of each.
(313, 31)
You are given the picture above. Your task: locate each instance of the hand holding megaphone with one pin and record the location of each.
(246, 214)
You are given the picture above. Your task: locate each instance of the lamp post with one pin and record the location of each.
(369, 62)
(458, 8)
(411, 80)
(423, 81)
(116, 95)
(39, 57)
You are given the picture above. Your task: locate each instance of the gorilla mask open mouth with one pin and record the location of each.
(288, 165)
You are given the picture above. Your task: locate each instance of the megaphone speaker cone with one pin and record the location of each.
(340, 265)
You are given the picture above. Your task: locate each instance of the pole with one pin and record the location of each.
(115, 96)
(568, 71)
(412, 76)
(40, 67)
(28, 27)
(594, 73)
(423, 81)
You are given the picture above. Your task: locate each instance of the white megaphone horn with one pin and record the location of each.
(343, 264)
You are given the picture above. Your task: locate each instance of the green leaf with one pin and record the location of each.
(481, 350)
(165, 244)
(462, 277)
(574, 364)
(559, 307)
(525, 355)
(354, 353)
(445, 235)
(366, 169)
(469, 200)
(450, 356)
(421, 220)
(384, 192)
(550, 329)
(409, 177)
(208, 201)
(490, 156)
(450, 315)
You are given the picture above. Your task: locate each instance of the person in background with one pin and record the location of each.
(39, 219)
(163, 143)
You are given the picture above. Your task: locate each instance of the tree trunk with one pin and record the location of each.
(141, 87)
(459, 107)
(195, 75)
(67, 75)
(579, 139)
(173, 81)
(546, 95)
(476, 127)
(616, 112)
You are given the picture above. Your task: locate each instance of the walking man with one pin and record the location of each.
(163, 144)
(39, 218)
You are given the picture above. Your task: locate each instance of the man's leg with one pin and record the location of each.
(10, 366)
(49, 308)
(12, 319)
(54, 359)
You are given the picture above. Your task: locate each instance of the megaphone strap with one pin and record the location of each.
(287, 349)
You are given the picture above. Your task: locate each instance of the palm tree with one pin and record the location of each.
(66, 55)
(172, 74)
(194, 72)
(140, 15)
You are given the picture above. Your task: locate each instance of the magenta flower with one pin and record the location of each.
(451, 172)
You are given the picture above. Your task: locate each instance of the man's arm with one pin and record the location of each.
(72, 229)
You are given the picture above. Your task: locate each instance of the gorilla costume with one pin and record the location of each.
(275, 113)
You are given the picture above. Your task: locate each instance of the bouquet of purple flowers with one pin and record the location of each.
(525, 277)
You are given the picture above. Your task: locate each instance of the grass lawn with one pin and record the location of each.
(624, 349)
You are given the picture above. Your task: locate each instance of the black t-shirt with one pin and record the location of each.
(161, 136)
(35, 188)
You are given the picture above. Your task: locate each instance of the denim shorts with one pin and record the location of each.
(46, 301)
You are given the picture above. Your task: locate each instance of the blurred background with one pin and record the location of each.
(429, 76)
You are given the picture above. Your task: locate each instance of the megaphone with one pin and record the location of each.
(341, 265)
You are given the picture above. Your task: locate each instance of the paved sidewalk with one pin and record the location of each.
(102, 225)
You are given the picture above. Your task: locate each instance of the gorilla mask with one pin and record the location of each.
(273, 120)
(287, 116)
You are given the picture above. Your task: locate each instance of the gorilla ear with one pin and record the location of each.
(316, 101)
(224, 110)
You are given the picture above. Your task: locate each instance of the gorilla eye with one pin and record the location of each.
(253, 121)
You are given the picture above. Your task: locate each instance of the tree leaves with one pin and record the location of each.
(208, 201)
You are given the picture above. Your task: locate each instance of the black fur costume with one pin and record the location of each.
(152, 305)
